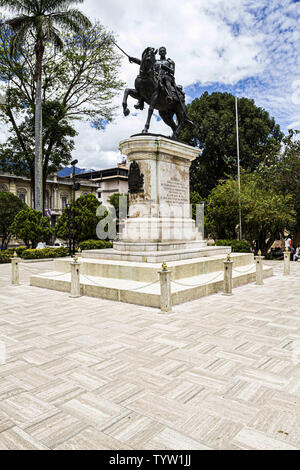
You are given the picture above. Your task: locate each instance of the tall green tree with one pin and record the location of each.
(266, 213)
(215, 135)
(57, 152)
(79, 82)
(120, 202)
(42, 19)
(10, 205)
(31, 227)
(83, 220)
(281, 171)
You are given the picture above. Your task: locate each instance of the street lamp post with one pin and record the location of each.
(75, 187)
(238, 165)
(68, 206)
(74, 163)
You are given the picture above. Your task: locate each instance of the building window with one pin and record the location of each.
(47, 200)
(22, 194)
(64, 201)
(3, 188)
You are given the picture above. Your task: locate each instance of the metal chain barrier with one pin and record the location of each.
(137, 288)
(56, 275)
(46, 275)
(32, 271)
(243, 271)
(147, 285)
(272, 265)
(198, 285)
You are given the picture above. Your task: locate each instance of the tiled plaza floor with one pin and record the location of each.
(218, 373)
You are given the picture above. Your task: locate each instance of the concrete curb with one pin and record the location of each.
(37, 260)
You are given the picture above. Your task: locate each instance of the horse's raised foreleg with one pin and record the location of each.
(181, 121)
(182, 118)
(129, 92)
(150, 111)
(167, 117)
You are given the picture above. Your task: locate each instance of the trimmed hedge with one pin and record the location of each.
(9, 253)
(238, 246)
(5, 257)
(46, 253)
(19, 250)
(95, 245)
(60, 252)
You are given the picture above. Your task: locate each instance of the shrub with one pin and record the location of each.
(7, 254)
(5, 257)
(46, 253)
(238, 246)
(30, 226)
(19, 250)
(83, 219)
(10, 205)
(95, 245)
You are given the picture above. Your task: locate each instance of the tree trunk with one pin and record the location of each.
(32, 186)
(38, 193)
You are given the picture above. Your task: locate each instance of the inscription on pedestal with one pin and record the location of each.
(174, 193)
(159, 209)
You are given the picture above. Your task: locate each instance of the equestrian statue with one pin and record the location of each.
(156, 86)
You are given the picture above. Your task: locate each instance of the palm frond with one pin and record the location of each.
(47, 26)
(46, 16)
(17, 22)
(56, 40)
(18, 6)
(71, 19)
(58, 5)
(19, 38)
(62, 3)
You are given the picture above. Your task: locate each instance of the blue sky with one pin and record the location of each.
(246, 47)
(276, 87)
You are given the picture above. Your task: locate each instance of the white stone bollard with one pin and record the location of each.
(259, 269)
(75, 278)
(165, 289)
(287, 263)
(228, 276)
(15, 274)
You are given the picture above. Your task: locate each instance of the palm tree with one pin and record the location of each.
(42, 20)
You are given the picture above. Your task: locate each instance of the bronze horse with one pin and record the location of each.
(149, 88)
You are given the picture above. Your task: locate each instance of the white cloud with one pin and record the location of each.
(96, 149)
(194, 32)
(215, 41)
(199, 39)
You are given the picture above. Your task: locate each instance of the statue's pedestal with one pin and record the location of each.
(159, 213)
(159, 228)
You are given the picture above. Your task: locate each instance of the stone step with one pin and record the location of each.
(156, 256)
(147, 294)
(153, 247)
(148, 271)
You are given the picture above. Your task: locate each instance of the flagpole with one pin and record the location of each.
(238, 165)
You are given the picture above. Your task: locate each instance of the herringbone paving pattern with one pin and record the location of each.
(218, 373)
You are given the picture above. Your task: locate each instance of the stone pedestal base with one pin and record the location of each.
(157, 252)
(159, 229)
(139, 283)
(159, 206)
(147, 247)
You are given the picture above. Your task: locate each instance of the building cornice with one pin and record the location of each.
(61, 181)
